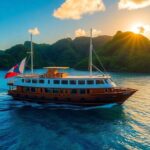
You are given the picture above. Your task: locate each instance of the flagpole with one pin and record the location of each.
(31, 55)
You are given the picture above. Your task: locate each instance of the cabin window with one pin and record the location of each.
(49, 82)
(82, 91)
(41, 81)
(28, 81)
(41, 90)
(90, 81)
(81, 82)
(34, 81)
(106, 90)
(23, 80)
(88, 91)
(47, 90)
(32, 89)
(55, 91)
(74, 91)
(72, 82)
(26, 89)
(64, 82)
(66, 91)
(56, 81)
(61, 91)
(99, 82)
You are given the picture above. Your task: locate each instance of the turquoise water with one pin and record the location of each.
(29, 126)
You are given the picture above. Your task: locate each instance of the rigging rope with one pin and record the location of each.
(98, 69)
(99, 62)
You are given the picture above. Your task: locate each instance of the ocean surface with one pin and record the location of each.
(30, 126)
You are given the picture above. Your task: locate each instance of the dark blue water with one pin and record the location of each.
(26, 126)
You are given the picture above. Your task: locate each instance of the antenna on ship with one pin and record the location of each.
(90, 56)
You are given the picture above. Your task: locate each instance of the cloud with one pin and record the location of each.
(75, 9)
(82, 32)
(133, 4)
(34, 31)
(144, 29)
(96, 32)
(141, 28)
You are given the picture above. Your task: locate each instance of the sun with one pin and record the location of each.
(138, 28)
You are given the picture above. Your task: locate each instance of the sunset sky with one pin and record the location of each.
(56, 19)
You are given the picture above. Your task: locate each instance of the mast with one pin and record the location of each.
(90, 56)
(31, 55)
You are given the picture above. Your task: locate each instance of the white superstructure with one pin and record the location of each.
(69, 82)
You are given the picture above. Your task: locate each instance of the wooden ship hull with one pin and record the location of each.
(93, 97)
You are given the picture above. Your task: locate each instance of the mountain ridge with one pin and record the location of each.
(125, 52)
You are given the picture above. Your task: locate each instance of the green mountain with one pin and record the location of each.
(125, 51)
(65, 52)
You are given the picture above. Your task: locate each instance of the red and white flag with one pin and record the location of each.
(16, 70)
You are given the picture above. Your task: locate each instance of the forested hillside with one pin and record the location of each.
(125, 51)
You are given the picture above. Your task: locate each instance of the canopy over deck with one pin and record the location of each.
(53, 72)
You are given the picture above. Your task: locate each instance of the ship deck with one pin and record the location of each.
(68, 77)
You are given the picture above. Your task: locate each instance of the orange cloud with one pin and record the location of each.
(141, 29)
(82, 32)
(75, 9)
(144, 29)
(133, 4)
(96, 32)
(34, 31)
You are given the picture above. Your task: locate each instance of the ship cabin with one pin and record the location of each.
(58, 83)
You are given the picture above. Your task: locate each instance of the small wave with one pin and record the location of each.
(106, 106)
(18, 104)
(3, 94)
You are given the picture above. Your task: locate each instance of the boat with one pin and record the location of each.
(58, 87)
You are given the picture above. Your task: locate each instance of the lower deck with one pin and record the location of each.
(72, 96)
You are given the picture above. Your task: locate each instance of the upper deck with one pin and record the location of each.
(55, 79)
(67, 82)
